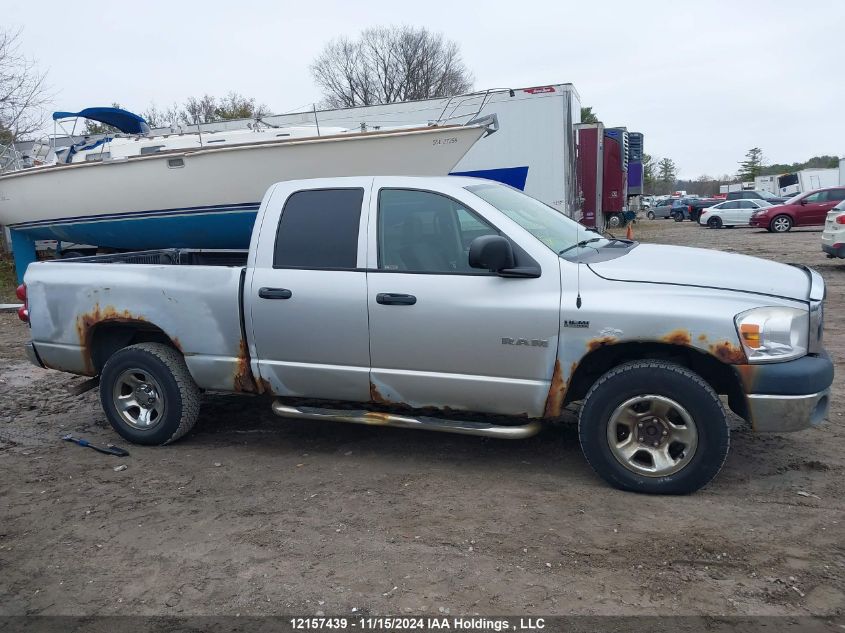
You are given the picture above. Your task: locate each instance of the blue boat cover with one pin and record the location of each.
(123, 120)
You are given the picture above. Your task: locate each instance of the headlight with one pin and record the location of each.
(773, 334)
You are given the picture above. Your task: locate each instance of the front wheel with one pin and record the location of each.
(714, 222)
(650, 215)
(678, 216)
(780, 224)
(654, 426)
(614, 220)
(148, 395)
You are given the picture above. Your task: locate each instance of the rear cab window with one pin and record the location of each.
(318, 229)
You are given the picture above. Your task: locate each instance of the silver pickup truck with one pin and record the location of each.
(450, 304)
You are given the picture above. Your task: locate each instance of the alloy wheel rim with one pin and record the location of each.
(138, 399)
(652, 435)
(781, 224)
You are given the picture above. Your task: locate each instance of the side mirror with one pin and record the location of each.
(802, 201)
(491, 252)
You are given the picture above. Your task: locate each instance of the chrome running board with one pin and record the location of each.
(376, 418)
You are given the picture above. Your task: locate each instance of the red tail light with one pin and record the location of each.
(840, 219)
(23, 311)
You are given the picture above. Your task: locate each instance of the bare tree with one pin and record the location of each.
(23, 91)
(208, 108)
(199, 110)
(389, 64)
(161, 118)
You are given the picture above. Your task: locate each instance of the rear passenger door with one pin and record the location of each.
(307, 300)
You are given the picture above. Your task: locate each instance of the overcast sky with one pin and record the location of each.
(704, 80)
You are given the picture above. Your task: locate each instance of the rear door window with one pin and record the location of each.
(836, 195)
(319, 229)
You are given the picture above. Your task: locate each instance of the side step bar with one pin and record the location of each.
(426, 423)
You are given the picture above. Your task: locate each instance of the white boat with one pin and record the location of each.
(186, 190)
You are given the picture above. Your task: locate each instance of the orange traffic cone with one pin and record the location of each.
(629, 234)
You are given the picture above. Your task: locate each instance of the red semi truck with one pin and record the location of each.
(602, 170)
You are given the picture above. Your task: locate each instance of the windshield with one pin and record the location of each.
(766, 195)
(548, 225)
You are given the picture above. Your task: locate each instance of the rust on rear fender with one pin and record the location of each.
(87, 321)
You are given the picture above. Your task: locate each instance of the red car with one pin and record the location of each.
(805, 209)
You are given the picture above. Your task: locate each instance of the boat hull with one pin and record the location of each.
(205, 198)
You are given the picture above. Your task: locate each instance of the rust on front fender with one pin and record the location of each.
(557, 391)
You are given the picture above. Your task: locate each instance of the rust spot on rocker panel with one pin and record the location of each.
(87, 321)
(594, 343)
(728, 353)
(678, 337)
(375, 395)
(244, 382)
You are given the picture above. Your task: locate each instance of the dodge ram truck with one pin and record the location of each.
(450, 304)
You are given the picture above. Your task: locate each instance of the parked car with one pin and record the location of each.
(731, 213)
(806, 209)
(697, 206)
(756, 194)
(418, 300)
(661, 209)
(833, 236)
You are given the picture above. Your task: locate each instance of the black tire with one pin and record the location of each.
(780, 224)
(659, 378)
(614, 220)
(650, 215)
(715, 222)
(678, 216)
(164, 367)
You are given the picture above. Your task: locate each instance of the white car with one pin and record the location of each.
(731, 213)
(833, 236)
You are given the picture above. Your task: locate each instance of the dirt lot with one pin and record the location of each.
(253, 515)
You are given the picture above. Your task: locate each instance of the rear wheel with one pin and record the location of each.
(614, 220)
(654, 426)
(780, 224)
(148, 395)
(715, 222)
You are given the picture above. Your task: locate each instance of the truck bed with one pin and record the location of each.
(169, 257)
(188, 298)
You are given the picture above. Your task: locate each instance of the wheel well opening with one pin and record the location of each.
(722, 377)
(108, 338)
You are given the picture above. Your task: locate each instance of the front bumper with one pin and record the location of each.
(788, 396)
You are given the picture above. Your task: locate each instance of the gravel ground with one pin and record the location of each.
(253, 515)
